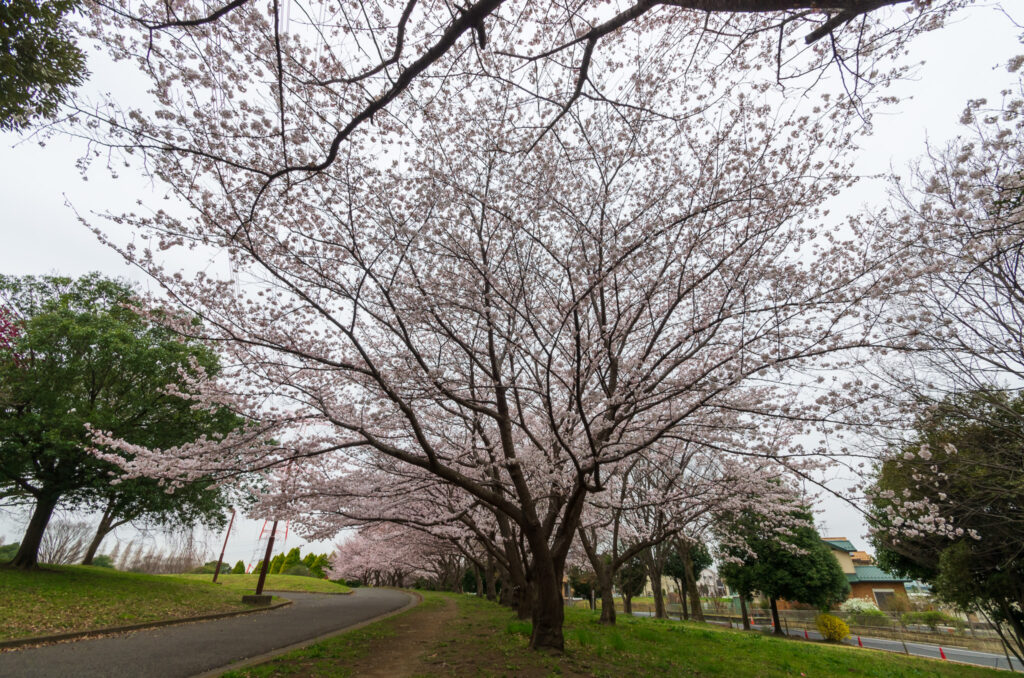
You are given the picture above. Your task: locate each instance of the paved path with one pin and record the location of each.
(953, 653)
(190, 649)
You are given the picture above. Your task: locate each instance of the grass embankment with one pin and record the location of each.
(463, 636)
(246, 583)
(78, 598)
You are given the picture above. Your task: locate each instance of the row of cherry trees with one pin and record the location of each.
(510, 297)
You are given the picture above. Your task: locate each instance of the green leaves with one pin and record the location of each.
(39, 61)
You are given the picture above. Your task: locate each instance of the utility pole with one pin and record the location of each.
(220, 561)
(266, 560)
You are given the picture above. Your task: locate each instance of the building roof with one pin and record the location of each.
(862, 558)
(870, 573)
(839, 543)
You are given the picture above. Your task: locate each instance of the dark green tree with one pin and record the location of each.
(319, 565)
(239, 568)
(82, 357)
(684, 564)
(964, 468)
(7, 551)
(583, 583)
(39, 61)
(786, 561)
(145, 501)
(630, 579)
(292, 558)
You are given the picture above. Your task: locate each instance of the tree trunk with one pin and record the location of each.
(106, 522)
(607, 602)
(524, 602)
(28, 553)
(627, 604)
(479, 582)
(659, 595)
(743, 611)
(775, 617)
(491, 580)
(548, 610)
(681, 592)
(655, 566)
(690, 580)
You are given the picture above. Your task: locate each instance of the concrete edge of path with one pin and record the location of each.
(416, 599)
(113, 630)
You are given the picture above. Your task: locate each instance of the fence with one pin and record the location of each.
(972, 635)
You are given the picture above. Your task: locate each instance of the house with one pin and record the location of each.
(867, 581)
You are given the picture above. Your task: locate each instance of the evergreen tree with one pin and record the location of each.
(781, 561)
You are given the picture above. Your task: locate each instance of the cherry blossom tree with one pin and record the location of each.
(666, 496)
(390, 555)
(304, 80)
(517, 325)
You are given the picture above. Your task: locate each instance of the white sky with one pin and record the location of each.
(39, 233)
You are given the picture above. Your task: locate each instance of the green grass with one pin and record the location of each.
(79, 598)
(246, 583)
(487, 640)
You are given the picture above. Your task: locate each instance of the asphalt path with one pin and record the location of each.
(953, 653)
(190, 649)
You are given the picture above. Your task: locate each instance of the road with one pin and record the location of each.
(190, 649)
(953, 653)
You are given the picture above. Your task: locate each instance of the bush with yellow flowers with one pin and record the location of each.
(833, 628)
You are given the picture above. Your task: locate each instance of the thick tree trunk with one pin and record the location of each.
(627, 604)
(27, 556)
(743, 611)
(607, 600)
(775, 618)
(491, 580)
(696, 611)
(548, 610)
(525, 603)
(681, 591)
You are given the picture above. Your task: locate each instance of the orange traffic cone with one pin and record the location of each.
(941, 653)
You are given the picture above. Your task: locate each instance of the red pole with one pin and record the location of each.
(941, 653)
(860, 643)
(806, 637)
(266, 560)
(220, 561)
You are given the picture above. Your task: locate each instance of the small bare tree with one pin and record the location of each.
(64, 542)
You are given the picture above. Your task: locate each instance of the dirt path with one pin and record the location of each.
(406, 653)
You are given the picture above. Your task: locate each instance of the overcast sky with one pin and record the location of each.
(41, 234)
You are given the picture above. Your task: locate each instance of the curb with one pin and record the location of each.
(110, 630)
(260, 658)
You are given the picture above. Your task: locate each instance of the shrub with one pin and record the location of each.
(871, 618)
(831, 627)
(297, 570)
(855, 605)
(930, 618)
(103, 561)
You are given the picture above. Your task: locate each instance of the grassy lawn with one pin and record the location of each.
(246, 583)
(79, 598)
(471, 637)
